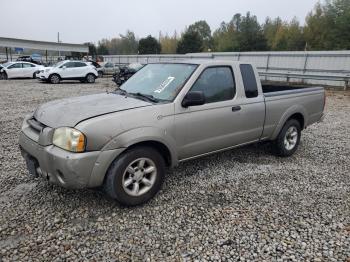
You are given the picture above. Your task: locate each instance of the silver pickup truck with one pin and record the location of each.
(166, 113)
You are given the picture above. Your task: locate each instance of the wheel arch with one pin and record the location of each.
(107, 157)
(296, 112)
(54, 74)
(152, 136)
(91, 73)
(4, 72)
(159, 146)
(299, 117)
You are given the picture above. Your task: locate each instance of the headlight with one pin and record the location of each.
(69, 139)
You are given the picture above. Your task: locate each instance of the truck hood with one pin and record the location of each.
(69, 112)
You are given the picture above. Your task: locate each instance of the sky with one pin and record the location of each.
(80, 21)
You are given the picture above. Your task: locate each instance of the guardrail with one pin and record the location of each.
(289, 76)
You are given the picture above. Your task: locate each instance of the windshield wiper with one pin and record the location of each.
(148, 97)
(122, 91)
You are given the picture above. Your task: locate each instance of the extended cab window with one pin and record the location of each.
(249, 81)
(217, 84)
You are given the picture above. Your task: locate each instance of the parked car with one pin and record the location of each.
(20, 70)
(109, 68)
(69, 70)
(165, 114)
(125, 72)
(35, 59)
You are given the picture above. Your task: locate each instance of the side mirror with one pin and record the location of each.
(193, 98)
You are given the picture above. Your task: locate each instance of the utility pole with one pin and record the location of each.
(159, 36)
(58, 41)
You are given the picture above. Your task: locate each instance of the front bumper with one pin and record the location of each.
(41, 77)
(70, 170)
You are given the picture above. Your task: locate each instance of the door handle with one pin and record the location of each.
(236, 108)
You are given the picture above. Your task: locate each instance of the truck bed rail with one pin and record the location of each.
(288, 76)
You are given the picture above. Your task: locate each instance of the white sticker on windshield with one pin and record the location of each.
(164, 84)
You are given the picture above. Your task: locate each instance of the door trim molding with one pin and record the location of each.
(217, 151)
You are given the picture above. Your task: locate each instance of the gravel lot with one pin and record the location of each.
(244, 204)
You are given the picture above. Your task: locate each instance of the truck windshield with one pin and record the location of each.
(160, 81)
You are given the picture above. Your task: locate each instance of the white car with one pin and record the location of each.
(20, 70)
(68, 70)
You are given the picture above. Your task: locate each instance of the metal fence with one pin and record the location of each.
(311, 67)
(13, 57)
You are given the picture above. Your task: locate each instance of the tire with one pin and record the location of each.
(4, 76)
(288, 139)
(34, 75)
(90, 78)
(54, 79)
(129, 188)
(100, 74)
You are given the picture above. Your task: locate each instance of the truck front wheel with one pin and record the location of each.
(136, 176)
(288, 139)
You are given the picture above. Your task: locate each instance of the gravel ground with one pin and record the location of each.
(244, 204)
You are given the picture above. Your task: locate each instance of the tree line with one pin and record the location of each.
(327, 27)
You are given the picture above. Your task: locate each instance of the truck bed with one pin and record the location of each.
(281, 99)
(278, 89)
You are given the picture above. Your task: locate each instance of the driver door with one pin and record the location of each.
(214, 125)
(14, 70)
(66, 70)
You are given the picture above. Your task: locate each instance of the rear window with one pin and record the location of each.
(249, 81)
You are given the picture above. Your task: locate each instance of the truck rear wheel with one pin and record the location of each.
(288, 139)
(136, 176)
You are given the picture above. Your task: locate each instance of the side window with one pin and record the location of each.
(217, 84)
(79, 64)
(27, 65)
(18, 65)
(249, 81)
(68, 65)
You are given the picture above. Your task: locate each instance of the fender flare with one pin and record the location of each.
(144, 134)
(296, 109)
